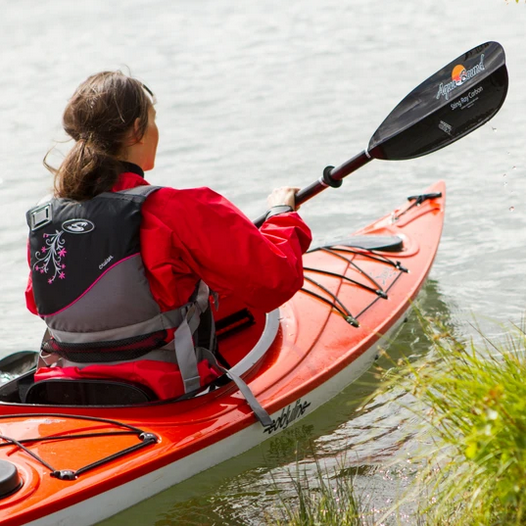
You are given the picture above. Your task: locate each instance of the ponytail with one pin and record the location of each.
(86, 172)
(101, 118)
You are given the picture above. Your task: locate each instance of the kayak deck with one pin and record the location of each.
(321, 340)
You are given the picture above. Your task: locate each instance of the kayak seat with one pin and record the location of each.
(87, 392)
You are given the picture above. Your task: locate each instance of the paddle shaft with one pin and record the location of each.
(332, 177)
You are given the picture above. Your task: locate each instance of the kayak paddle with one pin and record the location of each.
(453, 102)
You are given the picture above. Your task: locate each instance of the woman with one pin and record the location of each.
(118, 267)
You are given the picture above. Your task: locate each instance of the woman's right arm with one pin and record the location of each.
(263, 268)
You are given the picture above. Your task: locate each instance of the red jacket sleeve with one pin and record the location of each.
(30, 299)
(263, 268)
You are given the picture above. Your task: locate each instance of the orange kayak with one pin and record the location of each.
(65, 463)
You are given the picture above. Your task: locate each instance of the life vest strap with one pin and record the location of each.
(185, 348)
(257, 408)
(186, 357)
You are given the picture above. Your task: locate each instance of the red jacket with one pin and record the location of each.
(193, 234)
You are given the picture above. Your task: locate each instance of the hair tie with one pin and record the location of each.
(86, 136)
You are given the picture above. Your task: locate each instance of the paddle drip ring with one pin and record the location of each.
(329, 180)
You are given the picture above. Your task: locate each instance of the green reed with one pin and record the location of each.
(473, 396)
(469, 397)
(328, 498)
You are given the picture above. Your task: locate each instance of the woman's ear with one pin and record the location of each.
(136, 131)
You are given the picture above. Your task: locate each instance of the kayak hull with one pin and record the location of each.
(323, 339)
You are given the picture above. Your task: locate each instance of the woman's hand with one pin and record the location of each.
(283, 196)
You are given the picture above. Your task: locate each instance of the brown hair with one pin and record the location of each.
(99, 117)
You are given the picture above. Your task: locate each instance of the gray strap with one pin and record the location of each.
(183, 341)
(186, 357)
(141, 192)
(164, 320)
(259, 411)
(193, 317)
(46, 359)
(203, 293)
(47, 336)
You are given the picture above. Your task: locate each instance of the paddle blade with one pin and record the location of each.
(453, 102)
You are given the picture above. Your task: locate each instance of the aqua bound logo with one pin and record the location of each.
(78, 226)
(459, 75)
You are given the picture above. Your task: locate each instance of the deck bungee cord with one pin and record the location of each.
(336, 303)
(145, 438)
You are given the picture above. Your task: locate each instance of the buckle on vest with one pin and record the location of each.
(39, 216)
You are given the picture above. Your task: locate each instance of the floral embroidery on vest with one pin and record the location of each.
(49, 259)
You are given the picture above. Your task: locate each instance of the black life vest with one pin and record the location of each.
(86, 265)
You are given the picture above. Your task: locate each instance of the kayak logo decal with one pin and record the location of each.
(386, 277)
(50, 258)
(78, 226)
(459, 75)
(288, 415)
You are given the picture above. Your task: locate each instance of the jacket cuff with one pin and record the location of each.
(280, 209)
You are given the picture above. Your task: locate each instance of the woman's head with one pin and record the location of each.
(110, 117)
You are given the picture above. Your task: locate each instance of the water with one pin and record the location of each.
(259, 94)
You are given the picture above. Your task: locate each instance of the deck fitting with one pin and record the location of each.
(352, 321)
(64, 474)
(148, 437)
